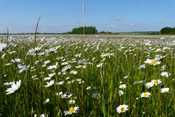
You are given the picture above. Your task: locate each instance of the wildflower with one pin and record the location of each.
(73, 72)
(84, 66)
(165, 74)
(59, 73)
(71, 101)
(66, 68)
(60, 83)
(47, 78)
(123, 86)
(43, 115)
(2, 46)
(53, 66)
(100, 65)
(163, 67)
(120, 92)
(164, 90)
(96, 95)
(46, 62)
(155, 82)
(47, 100)
(125, 76)
(88, 88)
(49, 83)
(158, 50)
(78, 55)
(9, 83)
(141, 66)
(107, 54)
(71, 110)
(160, 57)
(16, 60)
(3, 56)
(137, 82)
(146, 94)
(122, 108)
(149, 84)
(65, 63)
(79, 66)
(152, 62)
(8, 64)
(13, 87)
(51, 75)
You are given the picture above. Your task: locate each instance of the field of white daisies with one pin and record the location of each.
(57, 76)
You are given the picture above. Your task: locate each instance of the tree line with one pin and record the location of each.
(167, 30)
(88, 30)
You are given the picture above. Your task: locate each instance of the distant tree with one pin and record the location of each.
(88, 30)
(167, 30)
(102, 32)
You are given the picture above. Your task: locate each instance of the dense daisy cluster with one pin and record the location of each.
(59, 76)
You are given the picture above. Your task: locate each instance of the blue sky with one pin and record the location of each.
(21, 16)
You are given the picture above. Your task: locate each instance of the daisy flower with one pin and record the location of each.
(149, 84)
(71, 101)
(88, 88)
(165, 74)
(145, 94)
(65, 63)
(13, 87)
(100, 65)
(60, 83)
(122, 108)
(47, 78)
(49, 83)
(141, 66)
(125, 77)
(164, 90)
(155, 82)
(47, 100)
(152, 62)
(71, 110)
(137, 82)
(73, 72)
(123, 86)
(120, 92)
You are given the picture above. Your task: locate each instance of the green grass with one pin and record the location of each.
(28, 99)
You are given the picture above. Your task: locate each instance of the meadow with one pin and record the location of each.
(89, 77)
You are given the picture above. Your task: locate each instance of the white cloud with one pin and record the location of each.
(111, 25)
(131, 24)
(128, 24)
(118, 17)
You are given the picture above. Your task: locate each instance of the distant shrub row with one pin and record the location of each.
(167, 30)
(88, 30)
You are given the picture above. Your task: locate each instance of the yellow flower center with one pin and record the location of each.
(149, 85)
(153, 62)
(122, 109)
(164, 75)
(71, 102)
(123, 87)
(106, 53)
(71, 110)
(64, 63)
(165, 91)
(145, 94)
(155, 82)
